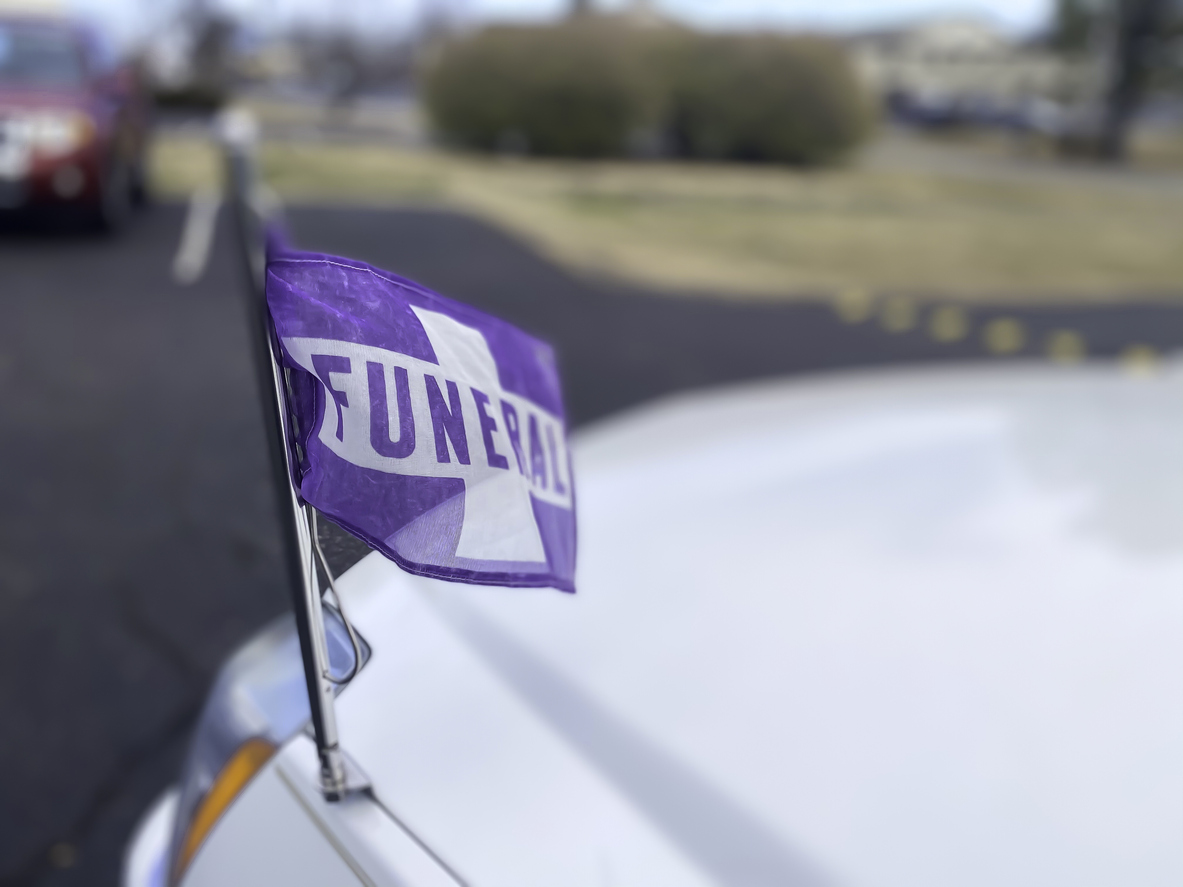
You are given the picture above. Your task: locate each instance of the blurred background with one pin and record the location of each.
(676, 193)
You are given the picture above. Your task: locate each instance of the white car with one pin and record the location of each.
(909, 629)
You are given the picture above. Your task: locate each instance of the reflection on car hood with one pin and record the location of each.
(905, 629)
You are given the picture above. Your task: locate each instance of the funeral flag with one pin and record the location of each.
(429, 429)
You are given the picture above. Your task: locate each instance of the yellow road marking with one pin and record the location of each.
(1004, 335)
(1140, 360)
(948, 324)
(898, 314)
(854, 304)
(1066, 346)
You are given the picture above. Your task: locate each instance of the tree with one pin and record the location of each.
(1139, 32)
(211, 58)
(1135, 37)
(1076, 24)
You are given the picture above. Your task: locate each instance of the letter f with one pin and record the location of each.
(324, 364)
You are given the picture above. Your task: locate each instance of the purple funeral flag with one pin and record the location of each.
(429, 429)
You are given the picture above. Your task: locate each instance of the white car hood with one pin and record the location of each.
(917, 628)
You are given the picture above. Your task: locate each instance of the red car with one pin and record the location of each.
(73, 121)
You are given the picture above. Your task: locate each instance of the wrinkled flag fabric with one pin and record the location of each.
(430, 430)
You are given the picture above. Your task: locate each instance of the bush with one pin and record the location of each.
(572, 90)
(595, 88)
(781, 99)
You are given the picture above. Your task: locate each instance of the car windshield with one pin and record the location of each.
(38, 55)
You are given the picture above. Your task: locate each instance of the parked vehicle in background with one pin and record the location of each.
(73, 120)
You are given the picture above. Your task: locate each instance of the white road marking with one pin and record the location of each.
(197, 237)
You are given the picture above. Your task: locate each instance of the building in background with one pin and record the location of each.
(966, 71)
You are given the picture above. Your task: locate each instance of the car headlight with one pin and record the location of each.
(258, 702)
(54, 133)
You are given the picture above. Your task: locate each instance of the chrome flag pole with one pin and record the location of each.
(250, 208)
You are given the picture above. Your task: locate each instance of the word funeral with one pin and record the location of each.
(399, 414)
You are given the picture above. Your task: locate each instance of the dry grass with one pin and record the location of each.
(761, 231)
(1159, 149)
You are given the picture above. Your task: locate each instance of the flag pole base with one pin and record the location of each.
(340, 776)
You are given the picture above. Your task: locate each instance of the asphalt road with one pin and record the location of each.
(137, 545)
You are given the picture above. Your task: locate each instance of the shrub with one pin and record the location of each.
(763, 98)
(595, 88)
(572, 90)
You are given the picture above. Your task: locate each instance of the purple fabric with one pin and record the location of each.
(429, 429)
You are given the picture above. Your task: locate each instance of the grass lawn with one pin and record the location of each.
(767, 232)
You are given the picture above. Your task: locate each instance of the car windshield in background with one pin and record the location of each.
(38, 56)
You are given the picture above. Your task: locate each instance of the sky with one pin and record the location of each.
(131, 18)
